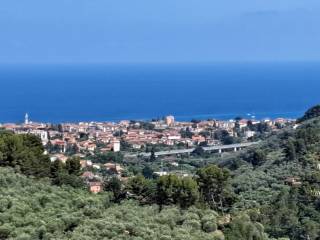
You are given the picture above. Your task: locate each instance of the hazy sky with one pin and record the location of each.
(133, 31)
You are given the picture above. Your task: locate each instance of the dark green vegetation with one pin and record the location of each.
(25, 154)
(278, 182)
(311, 113)
(33, 209)
(270, 191)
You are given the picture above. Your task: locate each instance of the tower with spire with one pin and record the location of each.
(26, 119)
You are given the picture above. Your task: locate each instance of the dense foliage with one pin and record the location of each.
(33, 209)
(26, 155)
(279, 181)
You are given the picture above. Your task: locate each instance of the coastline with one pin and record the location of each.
(179, 118)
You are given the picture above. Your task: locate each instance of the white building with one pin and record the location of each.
(26, 119)
(116, 145)
(249, 134)
(169, 120)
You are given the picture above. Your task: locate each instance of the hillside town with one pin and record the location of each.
(88, 139)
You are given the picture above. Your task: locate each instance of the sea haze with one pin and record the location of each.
(72, 93)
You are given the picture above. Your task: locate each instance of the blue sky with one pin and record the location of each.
(166, 31)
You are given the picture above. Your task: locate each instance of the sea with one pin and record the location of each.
(113, 92)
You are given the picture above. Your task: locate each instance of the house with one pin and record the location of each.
(87, 175)
(62, 145)
(87, 145)
(198, 139)
(173, 135)
(96, 166)
(85, 163)
(95, 187)
(92, 147)
(136, 145)
(168, 142)
(59, 157)
(116, 168)
(249, 134)
(243, 123)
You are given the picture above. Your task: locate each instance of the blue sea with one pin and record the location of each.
(72, 93)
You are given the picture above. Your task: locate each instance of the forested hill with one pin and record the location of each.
(31, 209)
(279, 180)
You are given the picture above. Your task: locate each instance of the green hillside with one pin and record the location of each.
(279, 182)
(33, 209)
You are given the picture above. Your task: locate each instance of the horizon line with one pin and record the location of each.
(160, 63)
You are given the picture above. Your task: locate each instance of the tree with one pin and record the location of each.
(152, 156)
(311, 113)
(167, 190)
(147, 172)
(221, 135)
(141, 189)
(137, 185)
(238, 118)
(147, 125)
(172, 189)
(205, 133)
(250, 126)
(49, 147)
(56, 169)
(198, 151)
(195, 121)
(63, 175)
(24, 153)
(188, 192)
(115, 157)
(229, 140)
(71, 149)
(213, 182)
(114, 185)
(290, 150)
(301, 147)
(243, 228)
(60, 128)
(258, 157)
(73, 166)
(281, 215)
(186, 133)
(262, 127)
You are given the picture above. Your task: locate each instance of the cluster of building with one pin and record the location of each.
(106, 136)
(88, 138)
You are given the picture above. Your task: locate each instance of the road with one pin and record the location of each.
(220, 148)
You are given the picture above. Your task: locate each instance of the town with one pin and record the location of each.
(112, 149)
